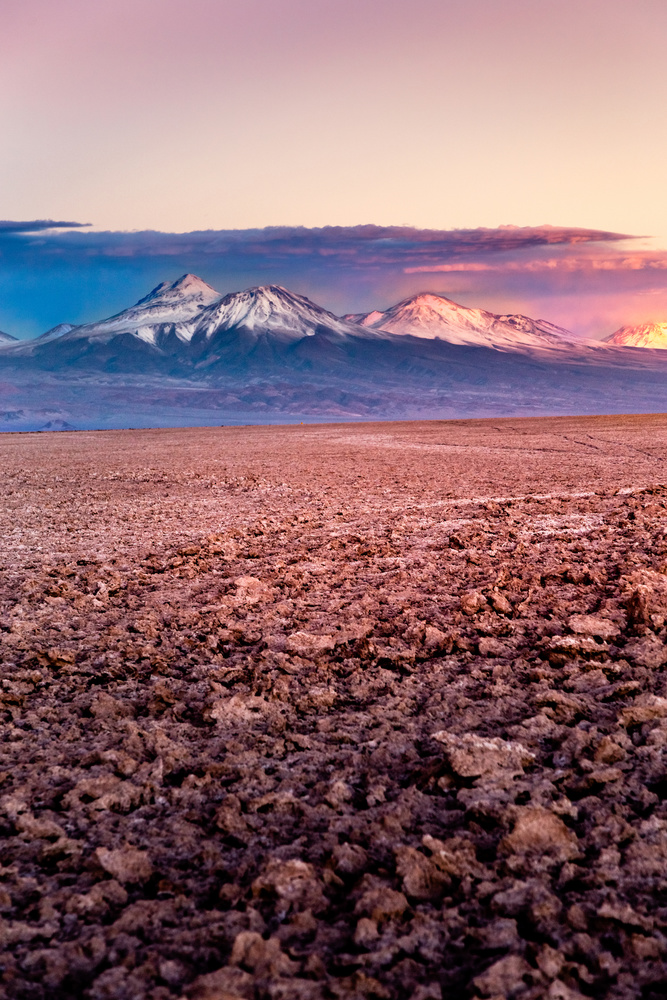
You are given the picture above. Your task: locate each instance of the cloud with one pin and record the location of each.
(400, 245)
(573, 264)
(53, 272)
(38, 225)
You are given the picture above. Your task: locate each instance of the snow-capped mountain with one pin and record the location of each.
(171, 304)
(166, 316)
(433, 316)
(56, 331)
(187, 323)
(641, 335)
(270, 310)
(185, 353)
(6, 338)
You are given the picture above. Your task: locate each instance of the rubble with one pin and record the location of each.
(335, 713)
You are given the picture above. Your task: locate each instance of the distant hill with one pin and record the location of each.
(187, 354)
(642, 335)
(434, 316)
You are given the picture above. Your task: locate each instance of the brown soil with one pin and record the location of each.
(371, 711)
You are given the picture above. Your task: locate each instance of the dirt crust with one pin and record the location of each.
(335, 713)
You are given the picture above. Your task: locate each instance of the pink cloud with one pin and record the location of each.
(570, 264)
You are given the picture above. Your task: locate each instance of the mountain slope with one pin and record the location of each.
(270, 309)
(56, 331)
(185, 354)
(269, 328)
(640, 335)
(186, 325)
(433, 316)
(6, 338)
(165, 314)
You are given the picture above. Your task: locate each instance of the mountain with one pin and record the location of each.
(641, 335)
(270, 328)
(187, 326)
(433, 316)
(6, 338)
(270, 310)
(185, 354)
(56, 331)
(172, 304)
(153, 329)
(167, 312)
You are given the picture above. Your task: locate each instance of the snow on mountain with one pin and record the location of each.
(641, 335)
(175, 304)
(273, 310)
(187, 323)
(6, 338)
(56, 331)
(433, 316)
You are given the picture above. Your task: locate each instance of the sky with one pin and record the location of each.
(190, 116)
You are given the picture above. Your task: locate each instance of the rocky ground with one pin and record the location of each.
(344, 712)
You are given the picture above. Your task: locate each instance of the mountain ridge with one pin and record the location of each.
(432, 316)
(188, 320)
(186, 354)
(644, 335)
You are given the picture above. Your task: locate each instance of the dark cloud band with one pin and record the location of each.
(38, 226)
(400, 245)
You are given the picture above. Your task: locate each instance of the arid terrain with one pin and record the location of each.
(335, 712)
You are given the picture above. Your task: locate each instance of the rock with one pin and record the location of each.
(644, 709)
(435, 640)
(422, 878)
(228, 983)
(558, 990)
(647, 652)
(488, 646)
(472, 602)
(294, 885)
(366, 933)
(608, 751)
(104, 706)
(500, 934)
(339, 793)
(236, 711)
(250, 590)
(550, 961)
(471, 756)
(229, 819)
(591, 625)
(381, 903)
(537, 830)
(350, 859)
(638, 606)
(125, 864)
(561, 646)
(33, 828)
(455, 857)
(505, 978)
(624, 914)
(266, 958)
(306, 832)
(500, 603)
(308, 644)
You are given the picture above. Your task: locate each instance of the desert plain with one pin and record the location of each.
(335, 712)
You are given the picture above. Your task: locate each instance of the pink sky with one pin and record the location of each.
(181, 115)
(188, 114)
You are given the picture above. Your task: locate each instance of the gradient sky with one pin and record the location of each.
(196, 114)
(185, 115)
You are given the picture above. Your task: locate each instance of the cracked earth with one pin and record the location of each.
(335, 712)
